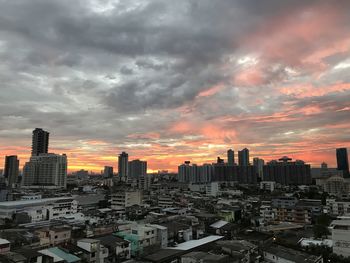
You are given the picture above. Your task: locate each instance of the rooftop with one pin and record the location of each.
(196, 243)
(9, 204)
(291, 254)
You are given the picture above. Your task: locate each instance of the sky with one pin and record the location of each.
(169, 81)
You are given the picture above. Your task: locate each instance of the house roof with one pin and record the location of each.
(219, 224)
(196, 243)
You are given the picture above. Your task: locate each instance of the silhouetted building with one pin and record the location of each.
(137, 168)
(123, 161)
(259, 166)
(11, 170)
(230, 157)
(343, 161)
(188, 173)
(48, 171)
(220, 161)
(108, 172)
(286, 172)
(40, 142)
(243, 157)
(241, 174)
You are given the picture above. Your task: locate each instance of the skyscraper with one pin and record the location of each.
(343, 161)
(243, 157)
(11, 169)
(40, 142)
(137, 169)
(48, 171)
(259, 166)
(230, 157)
(123, 165)
(108, 172)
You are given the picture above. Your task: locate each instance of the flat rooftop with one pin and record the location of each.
(196, 243)
(20, 203)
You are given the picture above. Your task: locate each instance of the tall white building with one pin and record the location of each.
(45, 171)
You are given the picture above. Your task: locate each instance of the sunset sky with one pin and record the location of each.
(169, 81)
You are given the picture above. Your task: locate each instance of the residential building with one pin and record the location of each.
(126, 198)
(119, 248)
(123, 166)
(338, 207)
(54, 236)
(243, 157)
(230, 157)
(40, 209)
(286, 172)
(268, 185)
(259, 166)
(47, 171)
(343, 161)
(137, 169)
(336, 185)
(40, 142)
(204, 257)
(341, 237)
(108, 172)
(4, 246)
(267, 213)
(97, 252)
(11, 170)
(280, 254)
(240, 174)
(143, 239)
(165, 201)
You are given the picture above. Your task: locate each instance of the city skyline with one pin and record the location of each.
(242, 156)
(168, 82)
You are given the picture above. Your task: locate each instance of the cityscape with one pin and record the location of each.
(153, 131)
(241, 210)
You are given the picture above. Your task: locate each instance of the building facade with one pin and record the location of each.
(11, 170)
(47, 171)
(286, 172)
(40, 142)
(123, 160)
(343, 161)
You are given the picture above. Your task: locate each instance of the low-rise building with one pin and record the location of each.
(204, 257)
(126, 199)
(119, 248)
(338, 207)
(97, 252)
(40, 209)
(4, 246)
(268, 185)
(54, 236)
(281, 254)
(341, 237)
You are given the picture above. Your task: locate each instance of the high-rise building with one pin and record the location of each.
(11, 170)
(40, 142)
(230, 157)
(123, 161)
(108, 172)
(243, 157)
(343, 161)
(45, 171)
(286, 172)
(242, 174)
(137, 169)
(259, 166)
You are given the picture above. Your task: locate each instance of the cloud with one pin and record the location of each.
(172, 81)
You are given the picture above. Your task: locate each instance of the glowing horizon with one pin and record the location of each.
(178, 83)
